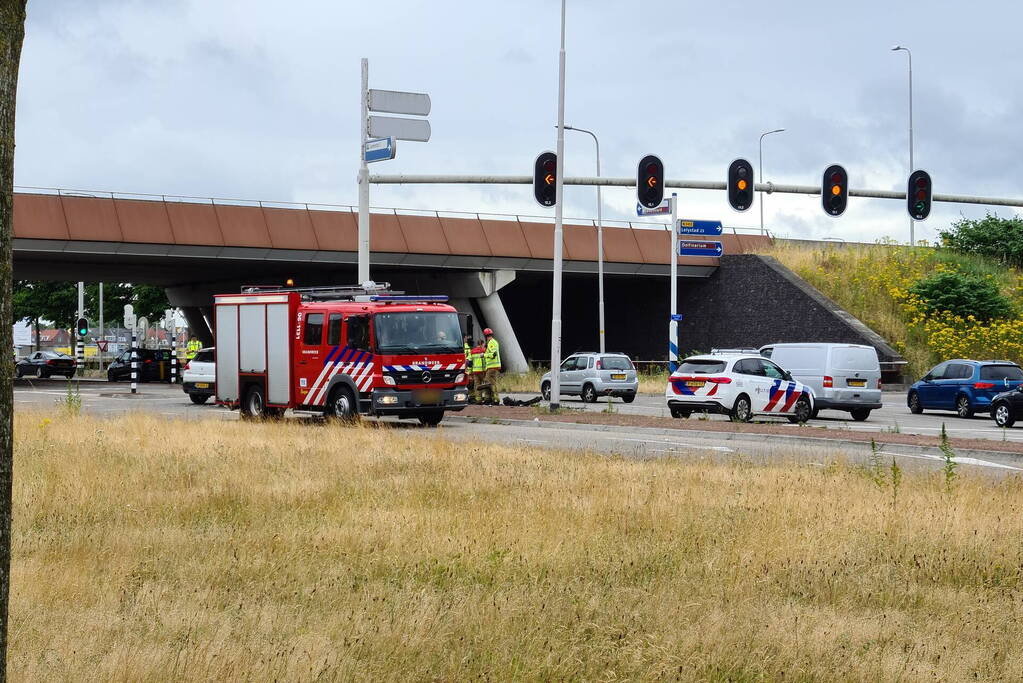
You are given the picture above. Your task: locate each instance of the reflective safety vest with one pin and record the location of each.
(468, 355)
(493, 355)
(193, 347)
(477, 359)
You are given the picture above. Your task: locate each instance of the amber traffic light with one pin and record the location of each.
(835, 190)
(650, 181)
(740, 184)
(545, 176)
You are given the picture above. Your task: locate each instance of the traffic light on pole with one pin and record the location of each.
(918, 195)
(545, 176)
(835, 190)
(82, 328)
(740, 184)
(650, 181)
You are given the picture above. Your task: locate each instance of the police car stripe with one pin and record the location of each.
(791, 396)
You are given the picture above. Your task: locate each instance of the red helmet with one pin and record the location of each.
(488, 332)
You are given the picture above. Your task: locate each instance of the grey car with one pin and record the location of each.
(591, 375)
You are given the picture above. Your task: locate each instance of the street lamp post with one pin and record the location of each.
(761, 173)
(600, 242)
(897, 48)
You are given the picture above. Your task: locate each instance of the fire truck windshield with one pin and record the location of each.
(417, 333)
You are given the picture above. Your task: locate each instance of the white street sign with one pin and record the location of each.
(129, 316)
(143, 324)
(415, 130)
(398, 102)
(22, 334)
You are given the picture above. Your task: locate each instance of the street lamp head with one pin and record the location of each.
(897, 47)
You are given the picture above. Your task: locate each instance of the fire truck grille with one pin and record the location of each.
(416, 376)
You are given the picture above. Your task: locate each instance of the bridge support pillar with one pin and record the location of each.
(199, 320)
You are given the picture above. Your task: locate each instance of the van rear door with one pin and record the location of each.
(855, 373)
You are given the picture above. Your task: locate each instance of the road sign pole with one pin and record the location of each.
(134, 363)
(559, 185)
(673, 277)
(364, 177)
(102, 330)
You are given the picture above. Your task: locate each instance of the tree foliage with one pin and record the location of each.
(57, 302)
(991, 236)
(963, 295)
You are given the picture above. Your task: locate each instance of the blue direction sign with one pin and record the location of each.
(659, 210)
(689, 226)
(700, 248)
(380, 149)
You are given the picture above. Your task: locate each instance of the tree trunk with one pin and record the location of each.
(12, 32)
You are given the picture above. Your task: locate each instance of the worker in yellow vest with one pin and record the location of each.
(193, 347)
(492, 364)
(467, 350)
(477, 374)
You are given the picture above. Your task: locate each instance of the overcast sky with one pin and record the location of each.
(233, 98)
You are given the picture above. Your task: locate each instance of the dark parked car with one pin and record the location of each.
(45, 364)
(965, 386)
(1006, 407)
(153, 366)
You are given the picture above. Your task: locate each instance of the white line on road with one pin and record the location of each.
(958, 460)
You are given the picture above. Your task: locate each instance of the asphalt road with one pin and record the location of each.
(111, 400)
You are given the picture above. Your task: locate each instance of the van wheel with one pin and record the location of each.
(963, 407)
(860, 414)
(1003, 415)
(254, 405)
(199, 399)
(802, 412)
(589, 394)
(742, 411)
(545, 391)
(913, 401)
(432, 418)
(341, 405)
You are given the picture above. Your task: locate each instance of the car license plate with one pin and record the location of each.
(695, 384)
(618, 375)
(427, 397)
(202, 385)
(857, 382)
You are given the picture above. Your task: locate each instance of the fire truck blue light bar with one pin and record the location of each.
(408, 297)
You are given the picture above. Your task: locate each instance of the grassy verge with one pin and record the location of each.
(153, 550)
(652, 382)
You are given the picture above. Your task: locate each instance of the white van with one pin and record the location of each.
(843, 376)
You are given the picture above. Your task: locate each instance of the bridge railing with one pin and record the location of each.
(348, 208)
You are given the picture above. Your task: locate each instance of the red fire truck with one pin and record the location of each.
(339, 352)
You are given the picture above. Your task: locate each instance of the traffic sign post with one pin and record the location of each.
(386, 129)
(689, 226)
(700, 248)
(662, 209)
(380, 149)
(673, 276)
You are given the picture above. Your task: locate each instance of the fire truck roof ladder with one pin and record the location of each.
(329, 293)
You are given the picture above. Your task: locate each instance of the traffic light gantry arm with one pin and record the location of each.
(767, 188)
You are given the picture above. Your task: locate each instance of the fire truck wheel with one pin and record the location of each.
(254, 405)
(432, 418)
(341, 405)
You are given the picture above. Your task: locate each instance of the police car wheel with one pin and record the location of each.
(680, 412)
(742, 411)
(341, 405)
(802, 411)
(545, 391)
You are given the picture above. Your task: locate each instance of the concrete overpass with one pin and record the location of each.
(196, 248)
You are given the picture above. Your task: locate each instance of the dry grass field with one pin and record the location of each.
(157, 550)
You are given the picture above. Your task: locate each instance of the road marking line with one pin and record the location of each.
(958, 460)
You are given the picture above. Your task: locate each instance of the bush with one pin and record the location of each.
(962, 295)
(991, 236)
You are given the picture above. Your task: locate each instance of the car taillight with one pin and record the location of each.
(879, 384)
(598, 365)
(828, 382)
(188, 365)
(983, 385)
(51, 362)
(720, 380)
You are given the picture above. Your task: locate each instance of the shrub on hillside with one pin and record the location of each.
(991, 236)
(962, 295)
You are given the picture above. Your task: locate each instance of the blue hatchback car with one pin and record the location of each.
(965, 386)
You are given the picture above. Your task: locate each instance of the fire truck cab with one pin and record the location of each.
(339, 352)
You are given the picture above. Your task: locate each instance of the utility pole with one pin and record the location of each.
(364, 176)
(559, 185)
(673, 276)
(600, 243)
(897, 48)
(102, 331)
(80, 340)
(761, 175)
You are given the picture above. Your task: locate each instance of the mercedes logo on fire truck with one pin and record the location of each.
(426, 377)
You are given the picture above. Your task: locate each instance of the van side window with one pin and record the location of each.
(313, 329)
(358, 332)
(334, 329)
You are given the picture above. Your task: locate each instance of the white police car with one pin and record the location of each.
(739, 385)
